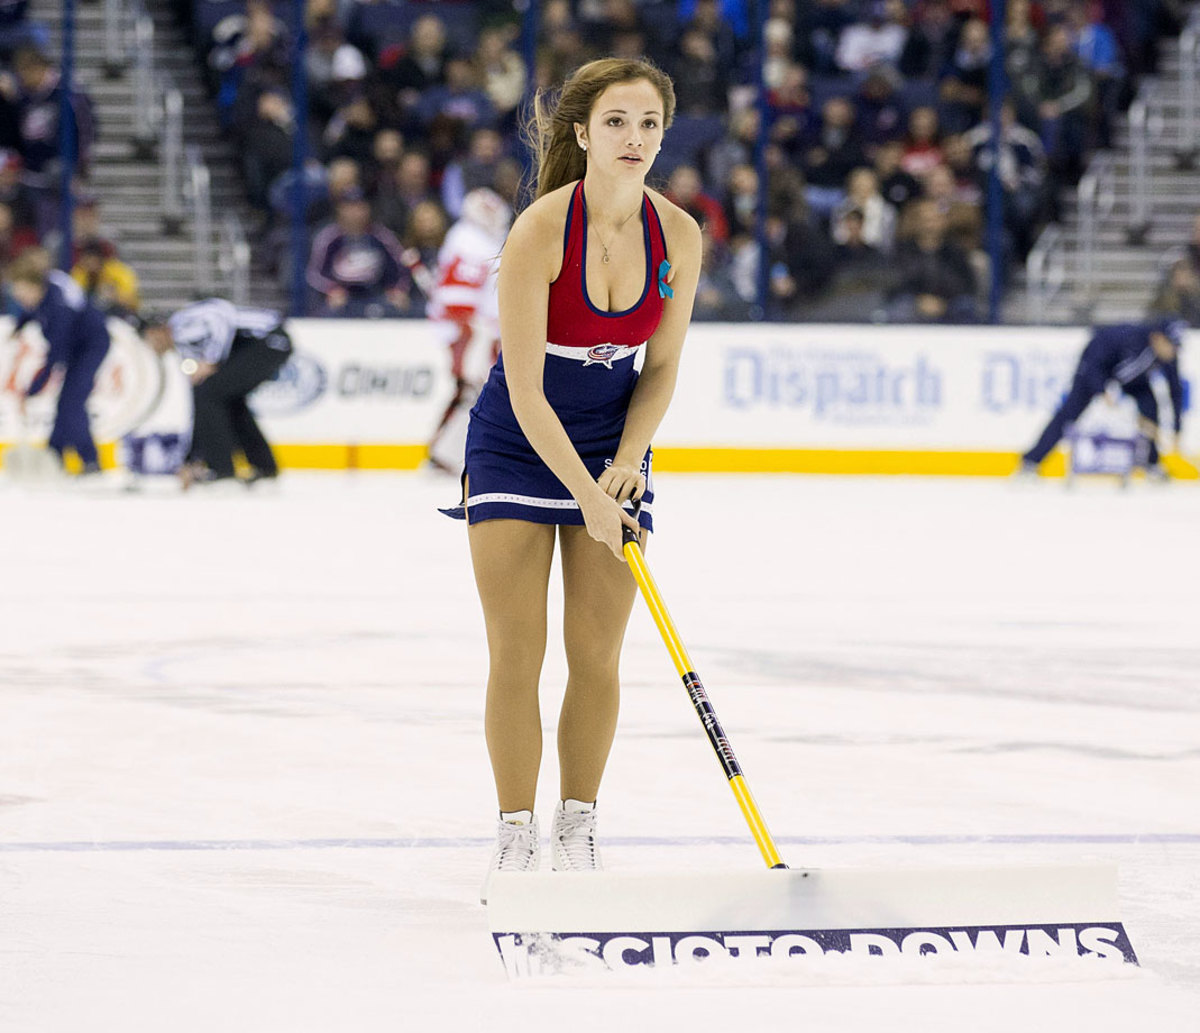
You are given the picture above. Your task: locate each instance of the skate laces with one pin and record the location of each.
(575, 840)
(516, 847)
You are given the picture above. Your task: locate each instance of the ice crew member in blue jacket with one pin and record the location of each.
(227, 352)
(77, 337)
(1126, 354)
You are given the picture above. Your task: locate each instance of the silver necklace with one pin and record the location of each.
(616, 232)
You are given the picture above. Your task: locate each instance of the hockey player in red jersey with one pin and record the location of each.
(463, 308)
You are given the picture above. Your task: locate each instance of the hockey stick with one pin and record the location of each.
(699, 697)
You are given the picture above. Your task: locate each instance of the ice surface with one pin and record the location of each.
(243, 783)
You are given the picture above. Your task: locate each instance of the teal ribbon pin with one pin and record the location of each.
(664, 289)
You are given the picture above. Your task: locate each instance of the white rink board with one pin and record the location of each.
(872, 387)
(740, 386)
(359, 382)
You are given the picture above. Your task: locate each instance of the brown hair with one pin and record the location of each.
(31, 266)
(550, 130)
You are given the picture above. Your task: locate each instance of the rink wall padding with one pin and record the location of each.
(785, 398)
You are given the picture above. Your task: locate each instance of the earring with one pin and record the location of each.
(583, 146)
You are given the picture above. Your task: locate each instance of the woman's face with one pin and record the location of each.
(625, 129)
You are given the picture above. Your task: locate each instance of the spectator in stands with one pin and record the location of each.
(1021, 38)
(878, 39)
(860, 276)
(686, 189)
(801, 261)
(507, 181)
(561, 48)
(37, 97)
(423, 239)
(964, 86)
(87, 222)
(897, 186)
(1055, 93)
(1179, 294)
(931, 41)
(1022, 175)
(922, 150)
(854, 255)
(405, 76)
(314, 190)
(343, 176)
(254, 53)
(716, 294)
(387, 150)
(17, 31)
(793, 119)
(708, 18)
(741, 201)
(735, 148)
(266, 144)
(785, 186)
(460, 99)
(355, 265)
(1141, 25)
(413, 184)
(701, 83)
(960, 160)
(604, 23)
(875, 218)
(13, 238)
(819, 27)
(502, 73)
(1096, 46)
(963, 219)
(777, 39)
(627, 45)
(333, 66)
(13, 192)
(351, 131)
(935, 282)
(475, 169)
(881, 110)
(834, 153)
(110, 284)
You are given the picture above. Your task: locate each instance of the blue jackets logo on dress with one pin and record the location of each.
(602, 354)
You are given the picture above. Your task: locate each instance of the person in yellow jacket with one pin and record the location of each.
(109, 283)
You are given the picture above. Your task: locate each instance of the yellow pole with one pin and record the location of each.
(700, 700)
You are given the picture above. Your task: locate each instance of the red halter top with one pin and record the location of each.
(573, 320)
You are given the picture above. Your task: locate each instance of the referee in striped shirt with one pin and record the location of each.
(226, 352)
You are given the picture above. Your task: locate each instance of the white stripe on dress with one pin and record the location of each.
(530, 500)
(592, 356)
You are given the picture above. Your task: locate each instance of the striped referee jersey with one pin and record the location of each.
(205, 331)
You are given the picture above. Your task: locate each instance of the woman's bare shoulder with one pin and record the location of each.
(681, 229)
(544, 218)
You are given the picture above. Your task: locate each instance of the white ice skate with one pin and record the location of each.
(573, 837)
(518, 849)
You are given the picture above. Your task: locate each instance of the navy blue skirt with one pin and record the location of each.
(505, 479)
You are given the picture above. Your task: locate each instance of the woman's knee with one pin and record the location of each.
(592, 662)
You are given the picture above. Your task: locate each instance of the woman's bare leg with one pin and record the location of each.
(512, 570)
(599, 591)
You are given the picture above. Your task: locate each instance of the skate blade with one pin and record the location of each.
(547, 923)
